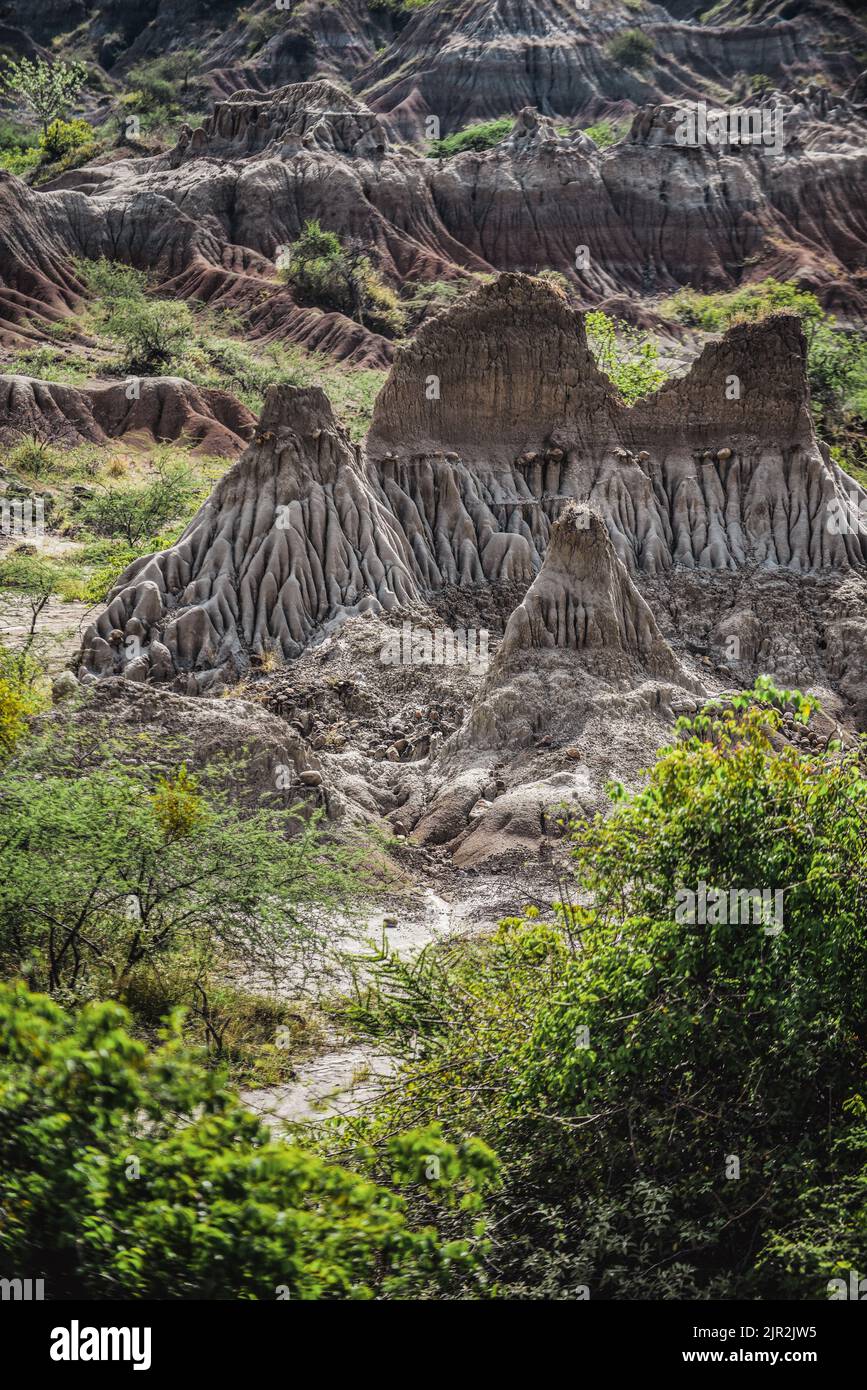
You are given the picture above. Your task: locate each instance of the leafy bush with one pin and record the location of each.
(129, 1173)
(605, 133)
(632, 49)
(112, 281)
(138, 869)
(20, 162)
(64, 138)
(132, 512)
(716, 312)
(18, 148)
(22, 695)
(625, 355)
(483, 136)
(619, 1059)
(153, 334)
(324, 272)
(36, 457)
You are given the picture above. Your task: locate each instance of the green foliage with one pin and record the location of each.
(154, 334)
(114, 871)
(625, 355)
(36, 457)
(162, 83)
(482, 136)
(714, 313)
(702, 1042)
(632, 49)
(129, 1173)
(64, 138)
(22, 695)
(111, 281)
(19, 153)
(605, 133)
(398, 7)
(46, 88)
(51, 364)
(133, 511)
(324, 272)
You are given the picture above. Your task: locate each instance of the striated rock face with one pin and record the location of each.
(496, 373)
(719, 469)
(294, 539)
(583, 600)
(122, 217)
(717, 473)
(315, 115)
(583, 638)
(210, 218)
(471, 60)
(164, 408)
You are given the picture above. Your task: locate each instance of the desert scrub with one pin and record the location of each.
(247, 374)
(50, 364)
(628, 357)
(325, 272)
(482, 136)
(632, 49)
(606, 133)
(132, 511)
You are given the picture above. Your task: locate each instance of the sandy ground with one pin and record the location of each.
(59, 628)
(346, 1076)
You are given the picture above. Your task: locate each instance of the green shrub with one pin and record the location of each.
(483, 136)
(630, 359)
(129, 1173)
(64, 138)
(19, 151)
(632, 49)
(111, 281)
(131, 511)
(20, 161)
(619, 1055)
(22, 695)
(154, 334)
(605, 133)
(36, 457)
(324, 272)
(715, 312)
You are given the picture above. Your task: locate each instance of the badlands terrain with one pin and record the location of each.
(422, 427)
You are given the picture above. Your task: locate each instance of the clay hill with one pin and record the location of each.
(624, 561)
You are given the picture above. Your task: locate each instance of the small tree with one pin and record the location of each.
(630, 360)
(332, 275)
(140, 874)
(632, 49)
(136, 512)
(46, 88)
(154, 334)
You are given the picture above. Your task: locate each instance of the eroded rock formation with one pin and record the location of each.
(718, 473)
(154, 408)
(210, 218)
